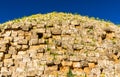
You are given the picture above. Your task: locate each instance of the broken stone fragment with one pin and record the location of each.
(8, 62)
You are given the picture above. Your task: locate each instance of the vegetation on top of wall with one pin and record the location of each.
(60, 16)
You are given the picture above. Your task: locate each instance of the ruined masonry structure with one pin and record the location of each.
(59, 45)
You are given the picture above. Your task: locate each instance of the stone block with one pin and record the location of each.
(66, 63)
(14, 33)
(87, 70)
(34, 41)
(3, 49)
(76, 65)
(8, 38)
(12, 50)
(64, 69)
(56, 31)
(91, 65)
(24, 47)
(8, 62)
(7, 56)
(22, 41)
(7, 34)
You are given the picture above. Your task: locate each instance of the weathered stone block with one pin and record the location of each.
(7, 34)
(7, 56)
(14, 33)
(23, 42)
(12, 50)
(8, 38)
(3, 49)
(91, 65)
(56, 31)
(76, 65)
(8, 62)
(24, 47)
(34, 41)
(66, 63)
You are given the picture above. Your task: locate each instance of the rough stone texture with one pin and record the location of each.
(59, 45)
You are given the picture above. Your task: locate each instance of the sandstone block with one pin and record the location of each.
(75, 58)
(8, 38)
(77, 46)
(7, 34)
(56, 31)
(25, 27)
(34, 41)
(18, 39)
(12, 50)
(40, 25)
(51, 68)
(3, 49)
(22, 53)
(40, 30)
(24, 47)
(91, 65)
(66, 63)
(14, 33)
(76, 64)
(23, 42)
(77, 71)
(87, 70)
(75, 22)
(41, 41)
(7, 56)
(8, 62)
(39, 55)
(64, 69)
(15, 26)
(4, 71)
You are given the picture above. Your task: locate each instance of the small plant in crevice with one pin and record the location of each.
(70, 74)
(48, 49)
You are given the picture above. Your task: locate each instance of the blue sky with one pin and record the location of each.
(104, 9)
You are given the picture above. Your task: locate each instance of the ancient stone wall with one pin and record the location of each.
(54, 48)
